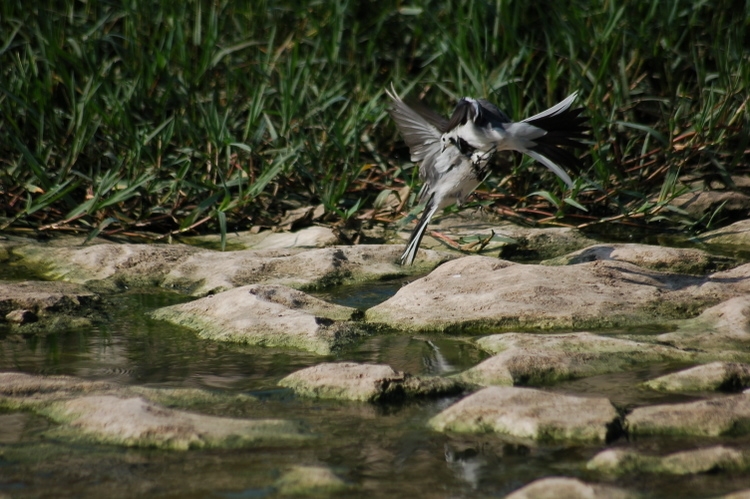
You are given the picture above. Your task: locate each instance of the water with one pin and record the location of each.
(382, 451)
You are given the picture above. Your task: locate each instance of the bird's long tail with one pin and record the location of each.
(565, 127)
(407, 258)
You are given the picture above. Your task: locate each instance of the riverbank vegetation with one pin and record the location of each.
(167, 118)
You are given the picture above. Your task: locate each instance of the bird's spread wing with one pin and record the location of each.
(419, 132)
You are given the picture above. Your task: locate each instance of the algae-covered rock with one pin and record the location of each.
(310, 480)
(709, 459)
(728, 415)
(135, 422)
(569, 488)
(46, 307)
(365, 382)
(661, 258)
(530, 414)
(715, 376)
(485, 293)
(534, 359)
(268, 315)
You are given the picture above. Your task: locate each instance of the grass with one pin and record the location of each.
(163, 118)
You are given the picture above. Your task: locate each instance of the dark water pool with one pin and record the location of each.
(383, 451)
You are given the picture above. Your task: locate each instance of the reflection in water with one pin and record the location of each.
(436, 364)
(466, 464)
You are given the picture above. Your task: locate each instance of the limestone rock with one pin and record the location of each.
(723, 328)
(479, 293)
(701, 203)
(512, 241)
(715, 376)
(568, 488)
(728, 415)
(530, 414)
(364, 382)
(201, 271)
(308, 237)
(709, 459)
(268, 315)
(661, 258)
(41, 297)
(533, 359)
(135, 422)
(734, 236)
(306, 480)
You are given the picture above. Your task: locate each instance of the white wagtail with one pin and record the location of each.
(455, 153)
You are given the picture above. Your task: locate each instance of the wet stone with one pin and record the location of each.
(199, 272)
(530, 414)
(709, 459)
(135, 422)
(481, 293)
(511, 241)
(569, 488)
(705, 202)
(736, 235)
(213, 272)
(267, 315)
(308, 237)
(723, 328)
(661, 258)
(729, 415)
(534, 359)
(306, 480)
(365, 382)
(715, 376)
(21, 316)
(41, 307)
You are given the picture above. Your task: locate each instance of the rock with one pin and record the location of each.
(135, 422)
(698, 204)
(740, 494)
(268, 315)
(568, 488)
(709, 459)
(530, 414)
(512, 241)
(364, 382)
(42, 388)
(107, 413)
(306, 480)
(200, 271)
(728, 415)
(131, 264)
(723, 328)
(661, 258)
(734, 236)
(315, 269)
(716, 376)
(45, 297)
(21, 316)
(309, 237)
(534, 359)
(47, 307)
(28, 391)
(480, 293)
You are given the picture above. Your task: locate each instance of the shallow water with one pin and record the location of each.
(383, 451)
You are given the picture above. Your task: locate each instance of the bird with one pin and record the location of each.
(454, 154)
(447, 170)
(486, 129)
